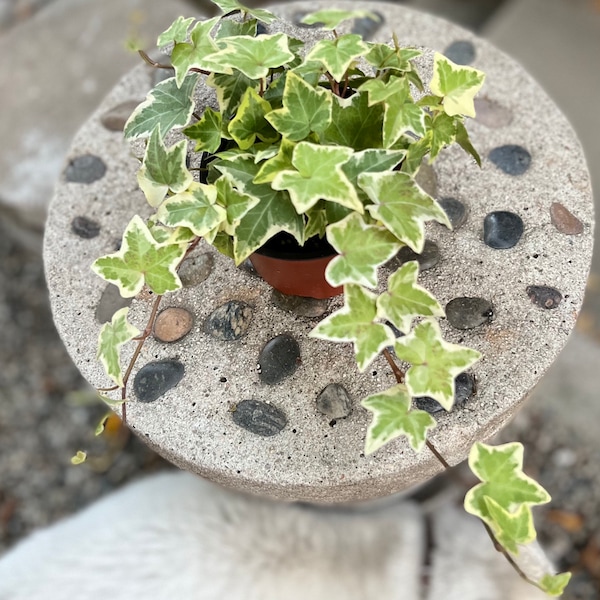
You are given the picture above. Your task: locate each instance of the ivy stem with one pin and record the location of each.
(151, 62)
(398, 372)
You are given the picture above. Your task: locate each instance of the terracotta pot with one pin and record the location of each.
(296, 270)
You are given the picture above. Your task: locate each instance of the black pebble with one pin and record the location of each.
(259, 417)
(367, 27)
(544, 296)
(427, 259)
(85, 169)
(230, 321)
(278, 359)
(334, 401)
(512, 159)
(457, 211)
(85, 228)
(461, 52)
(467, 313)
(464, 389)
(156, 378)
(502, 229)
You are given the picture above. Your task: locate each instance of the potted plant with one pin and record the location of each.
(306, 165)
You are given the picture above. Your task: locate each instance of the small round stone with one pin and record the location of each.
(259, 417)
(502, 229)
(492, 114)
(544, 296)
(230, 321)
(334, 401)
(464, 390)
(299, 305)
(172, 324)
(279, 359)
(85, 169)
(367, 27)
(85, 228)
(564, 220)
(115, 118)
(461, 52)
(512, 159)
(156, 379)
(468, 313)
(427, 259)
(110, 302)
(456, 210)
(196, 269)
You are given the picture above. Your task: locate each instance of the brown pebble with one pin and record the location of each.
(115, 118)
(172, 324)
(564, 220)
(492, 114)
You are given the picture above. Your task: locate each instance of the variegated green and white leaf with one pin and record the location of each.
(230, 28)
(331, 18)
(177, 32)
(230, 89)
(402, 206)
(382, 57)
(250, 123)
(282, 161)
(392, 417)
(361, 250)
(236, 203)
(405, 300)
(112, 337)
(441, 132)
(229, 6)
(356, 323)
(435, 363)
(206, 132)
(337, 55)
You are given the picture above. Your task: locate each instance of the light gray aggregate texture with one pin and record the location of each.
(311, 460)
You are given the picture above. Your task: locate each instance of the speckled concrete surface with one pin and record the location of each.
(309, 460)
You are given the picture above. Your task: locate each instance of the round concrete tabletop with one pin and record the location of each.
(216, 406)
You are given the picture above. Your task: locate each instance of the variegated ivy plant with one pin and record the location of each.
(320, 141)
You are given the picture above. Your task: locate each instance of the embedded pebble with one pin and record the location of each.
(110, 302)
(157, 378)
(299, 305)
(116, 117)
(85, 169)
(172, 324)
(85, 228)
(512, 159)
(468, 313)
(230, 321)
(461, 52)
(464, 389)
(456, 210)
(544, 296)
(259, 417)
(502, 229)
(427, 259)
(279, 359)
(492, 114)
(564, 220)
(427, 179)
(248, 267)
(334, 401)
(367, 27)
(196, 269)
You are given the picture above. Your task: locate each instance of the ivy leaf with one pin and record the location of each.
(371, 161)
(435, 362)
(337, 55)
(318, 176)
(330, 19)
(305, 109)
(392, 418)
(79, 458)
(457, 84)
(195, 209)
(253, 56)
(402, 206)
(229, 6)
(316, 222)
(463, 140)
(401, 114)
(554, 585)
(282, 161)
(361, 248)
(355, 322)
(230, 89)
(177, 32)
(206, 132)
(163, 169)
(355, 124)
(250, 122)
(511, 529)
(141, 259)
(112, 336)
(382, 56)
(236, 203)
(194, 54)
(415, 154)
(230, 28)
(405, 300)
(500, 470)
(167, 106)
(441, 133)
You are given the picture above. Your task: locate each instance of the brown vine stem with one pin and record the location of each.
(151, 62)
(458, 478)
